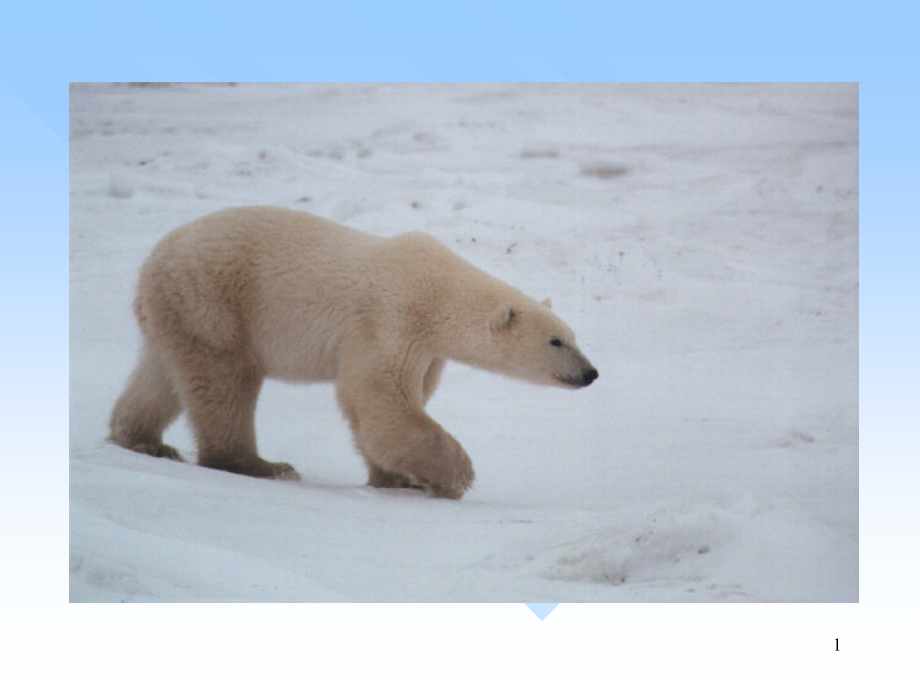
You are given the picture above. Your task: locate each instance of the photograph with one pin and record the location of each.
(464, 342)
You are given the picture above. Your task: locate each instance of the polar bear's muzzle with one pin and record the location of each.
(588, 376)
(579, 372)
(585, 378)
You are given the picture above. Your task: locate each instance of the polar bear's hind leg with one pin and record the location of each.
(147, 406)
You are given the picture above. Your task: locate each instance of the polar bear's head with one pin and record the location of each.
(472, 317)
(529, 342)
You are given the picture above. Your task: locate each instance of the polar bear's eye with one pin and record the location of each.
(555, 342)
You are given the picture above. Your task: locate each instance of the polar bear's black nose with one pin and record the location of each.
(588, 376)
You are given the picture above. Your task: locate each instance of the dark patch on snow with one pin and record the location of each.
(603, 171)
(539, 153)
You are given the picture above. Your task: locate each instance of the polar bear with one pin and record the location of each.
(255, 292)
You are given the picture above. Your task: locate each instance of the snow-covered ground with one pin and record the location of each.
(701, 240)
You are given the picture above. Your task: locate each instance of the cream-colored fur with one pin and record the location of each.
(256, 292)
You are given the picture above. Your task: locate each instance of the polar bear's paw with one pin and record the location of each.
(253, 467)
(157, 450)
(379, 478)
(281, 470)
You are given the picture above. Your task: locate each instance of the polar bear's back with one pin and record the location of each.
(266, 233)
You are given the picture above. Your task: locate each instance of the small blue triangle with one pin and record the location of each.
(542, 610)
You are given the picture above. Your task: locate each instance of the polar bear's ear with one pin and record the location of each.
(548, 303)
(503, 318)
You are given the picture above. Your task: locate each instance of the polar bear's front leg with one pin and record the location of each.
(398, 440)
(417, 448)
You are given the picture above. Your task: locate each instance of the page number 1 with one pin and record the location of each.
(836, 644)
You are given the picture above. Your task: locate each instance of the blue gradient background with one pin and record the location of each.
(43, 48)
